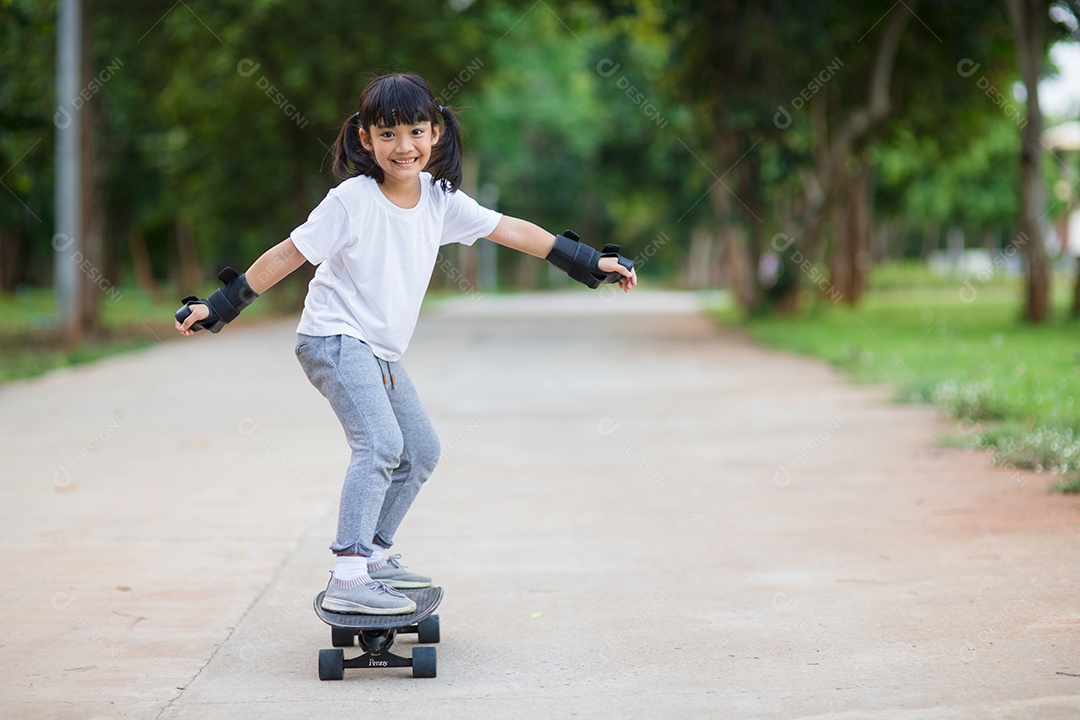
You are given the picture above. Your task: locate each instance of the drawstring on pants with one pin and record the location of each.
(386, 372)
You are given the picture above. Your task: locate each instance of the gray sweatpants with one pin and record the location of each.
(394, 446)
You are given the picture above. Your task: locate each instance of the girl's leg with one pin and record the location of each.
(418, 459)
(347, 373)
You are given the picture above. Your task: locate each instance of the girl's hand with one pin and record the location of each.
(629, 277)
(198, 312)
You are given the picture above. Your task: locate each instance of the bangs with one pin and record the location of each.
(397, 100)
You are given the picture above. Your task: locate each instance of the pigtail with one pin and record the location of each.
(445, 162)
(351, 159)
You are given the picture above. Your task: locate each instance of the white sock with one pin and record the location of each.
(351, 570)
(376, 560)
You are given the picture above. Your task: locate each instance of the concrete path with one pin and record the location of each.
(637, 515)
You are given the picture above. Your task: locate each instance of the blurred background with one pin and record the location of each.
(892, 186)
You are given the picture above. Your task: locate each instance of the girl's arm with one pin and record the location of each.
(264, 273)
(273, 265)
(526, 237)
(523, 236)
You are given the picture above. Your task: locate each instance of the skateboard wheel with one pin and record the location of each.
(423, 662)
(427, 630)
(332, 664)
(342, 637)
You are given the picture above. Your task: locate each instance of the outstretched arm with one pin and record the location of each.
(273, 265)
(523, 236)
(264, 273)
(526, 237)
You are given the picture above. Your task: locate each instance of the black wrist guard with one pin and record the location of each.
(225, 303)
(582, 263)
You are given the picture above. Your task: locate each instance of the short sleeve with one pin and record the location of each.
(325, 232)
(466, 220)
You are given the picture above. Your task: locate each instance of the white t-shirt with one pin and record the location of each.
(375, 259)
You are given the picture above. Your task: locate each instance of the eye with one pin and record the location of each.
(386, 134)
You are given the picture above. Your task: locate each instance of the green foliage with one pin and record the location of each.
(973, 185)
(219, 118)
(603, 116)
(568, 126)
(27, 49)
(532, 122)
(246, 124)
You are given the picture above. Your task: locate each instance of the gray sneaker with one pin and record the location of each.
(371, 598)
(396, 575)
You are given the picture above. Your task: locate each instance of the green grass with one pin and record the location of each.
(131, 319)
(1012, 388)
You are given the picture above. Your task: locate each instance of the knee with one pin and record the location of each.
(386, 444)
(426, 455)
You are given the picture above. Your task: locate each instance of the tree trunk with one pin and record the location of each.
(1029, 24)
(188, 256)
(859, 231)
(467, 265)
(527, 272)
(140, 263)
(95, 283)
(839, 251)
(10, 251)
(849, 261)
(733, 254)
(742, 275)
(753, 206)
(831, 175)
(1075, 313)
(93, 219)
(699, 261)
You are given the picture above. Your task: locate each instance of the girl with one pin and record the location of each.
(375, 238)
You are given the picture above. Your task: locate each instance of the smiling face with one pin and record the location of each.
(402, 151)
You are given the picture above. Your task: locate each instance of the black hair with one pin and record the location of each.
(399, 99)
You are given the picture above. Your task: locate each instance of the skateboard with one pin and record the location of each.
(376, 634)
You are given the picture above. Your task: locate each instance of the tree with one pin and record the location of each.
(27, 104)
(743, 67)
(1029, 21)
(793, 99)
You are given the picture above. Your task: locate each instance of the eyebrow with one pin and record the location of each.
(384, 128)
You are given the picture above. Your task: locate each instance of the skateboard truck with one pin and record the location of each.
(376, 644)
(376, 635)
